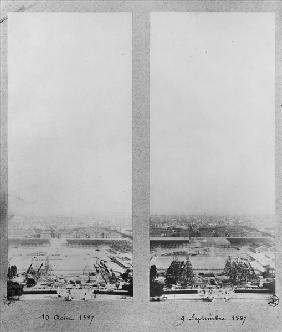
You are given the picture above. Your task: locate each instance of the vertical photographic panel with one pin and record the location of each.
(212, 155)
(69, 141)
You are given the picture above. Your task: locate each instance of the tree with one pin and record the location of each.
(9, 273)
(153, 272)
(14, 289)
(156, 288)
(14, 270)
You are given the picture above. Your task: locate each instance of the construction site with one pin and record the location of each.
(214, 271)
(95, 269)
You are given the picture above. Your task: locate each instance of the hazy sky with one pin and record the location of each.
(70, 114)
(212, 113)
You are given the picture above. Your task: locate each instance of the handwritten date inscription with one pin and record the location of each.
(80, 317)
(201, 318)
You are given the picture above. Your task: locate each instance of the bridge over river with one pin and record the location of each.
(36, 242)
(182, 242)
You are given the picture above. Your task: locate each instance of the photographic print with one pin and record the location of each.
(69, 140)
(140, 185)
(212, 223)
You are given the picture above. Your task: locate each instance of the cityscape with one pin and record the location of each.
(209, 225)
(70, 157)
(211, 258)
(69, 259)
(212, 158)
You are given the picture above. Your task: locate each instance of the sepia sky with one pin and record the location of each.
(70, 114)
(212, 113)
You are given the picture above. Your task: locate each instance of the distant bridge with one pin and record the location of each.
(169, 239)
(93, 241)
(212, 241)
(27, 241)
(188, 239)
